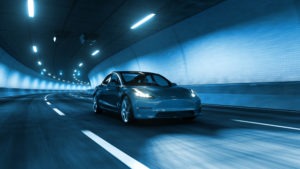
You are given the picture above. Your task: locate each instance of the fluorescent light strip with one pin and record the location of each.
(34, 48)
(30, 5)
(145, 19)
(95, 52)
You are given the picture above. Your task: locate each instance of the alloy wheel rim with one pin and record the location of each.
(95, 105)
(124, 111)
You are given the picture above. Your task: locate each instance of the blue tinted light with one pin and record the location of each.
(34, 48)
(30, 6)
(142, 21)
(95, 52)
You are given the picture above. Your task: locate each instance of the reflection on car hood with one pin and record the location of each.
(165, 92)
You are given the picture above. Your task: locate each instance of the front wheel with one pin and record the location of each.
(96, 107)
(126, 111)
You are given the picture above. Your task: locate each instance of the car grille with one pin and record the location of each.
(175, 114)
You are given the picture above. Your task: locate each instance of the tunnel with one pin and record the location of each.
(149, 84)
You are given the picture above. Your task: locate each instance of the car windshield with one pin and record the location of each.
(145, 79)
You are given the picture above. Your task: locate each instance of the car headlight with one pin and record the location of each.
(141, 94)
(193, 94)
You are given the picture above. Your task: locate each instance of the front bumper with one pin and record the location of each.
(166, 108)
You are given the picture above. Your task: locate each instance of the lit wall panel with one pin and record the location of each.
(14, 75)
(233, 42)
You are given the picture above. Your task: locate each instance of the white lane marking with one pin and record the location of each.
(123, 157)
(48, 103)
(58, 112)
(266, 124)
(46, 97)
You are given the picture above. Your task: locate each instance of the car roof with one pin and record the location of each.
(133, 72)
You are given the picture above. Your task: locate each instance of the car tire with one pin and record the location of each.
(96, 106)
(126, 111)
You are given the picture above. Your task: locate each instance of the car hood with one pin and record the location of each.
(165, 92)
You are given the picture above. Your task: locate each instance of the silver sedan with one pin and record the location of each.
(145, 95)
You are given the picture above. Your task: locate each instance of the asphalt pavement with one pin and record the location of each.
(60, 131)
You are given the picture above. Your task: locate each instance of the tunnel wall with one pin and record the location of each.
(17, 79)
(239, 45)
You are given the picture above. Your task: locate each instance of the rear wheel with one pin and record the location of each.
(126, 111)
(96, 107)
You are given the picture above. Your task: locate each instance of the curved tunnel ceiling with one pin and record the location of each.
(81, 27)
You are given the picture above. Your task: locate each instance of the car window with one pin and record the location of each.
(114, 78)
(127, 77)
(147, 79)
(106, 80)
(160, 80)
(144, 79)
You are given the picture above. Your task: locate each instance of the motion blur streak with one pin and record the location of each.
(129, 161)
(41, 139)
(235, 148)
(265, 124)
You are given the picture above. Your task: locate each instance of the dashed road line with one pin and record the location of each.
(55, 109)
(46, 97)
(266, 124)
(58, 112)
(120, 155)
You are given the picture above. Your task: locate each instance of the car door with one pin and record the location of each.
(102, 93)
(113, 90)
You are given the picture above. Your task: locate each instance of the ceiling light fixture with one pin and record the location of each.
(145, 19)
(44, 70)
(30, 6)
(60, 73)
(54, 39)
(80, 64)
(39, 63)
(95, 52)
(34, 48)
